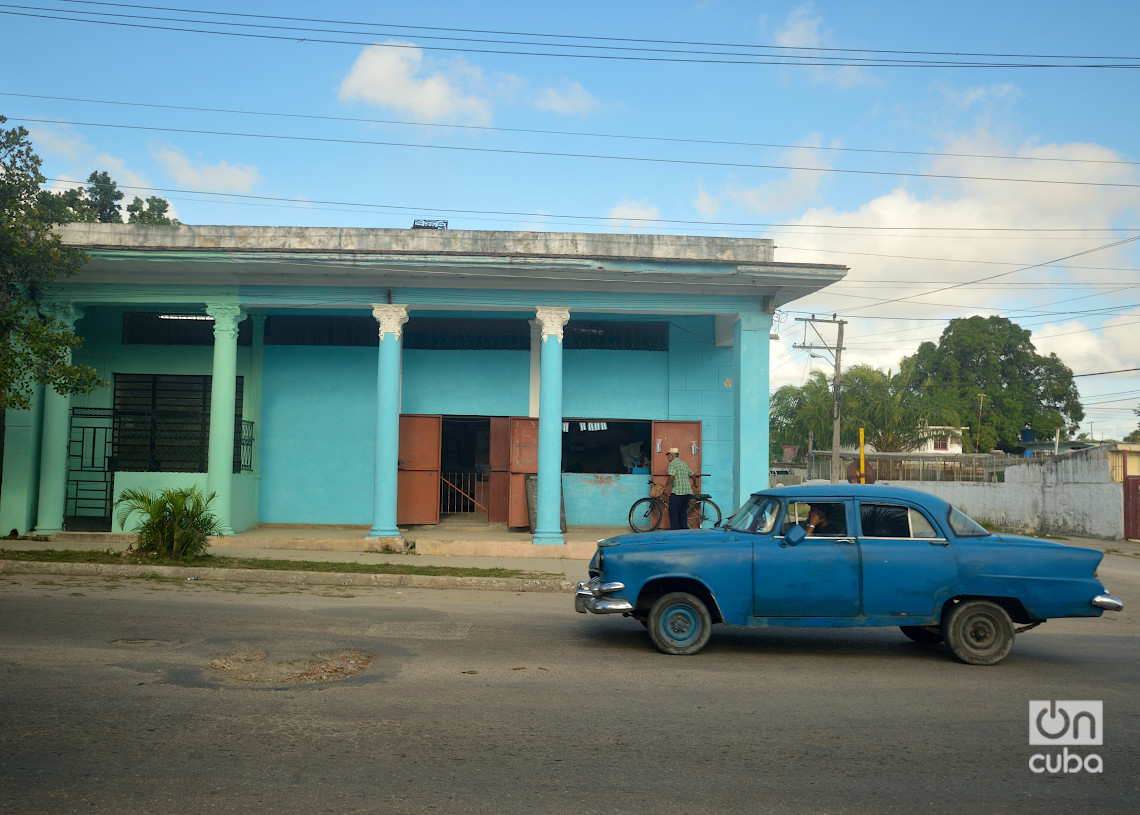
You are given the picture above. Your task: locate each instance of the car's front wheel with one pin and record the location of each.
(923, 635)
(978, 632)
(679, 623)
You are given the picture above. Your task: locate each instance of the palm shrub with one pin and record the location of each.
(174, 523)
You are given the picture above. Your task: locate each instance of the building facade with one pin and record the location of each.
(382, 378)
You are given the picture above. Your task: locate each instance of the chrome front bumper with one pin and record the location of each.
(591, 596)
(1108, 602)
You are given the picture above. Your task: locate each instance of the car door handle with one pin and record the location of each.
(939, 543)
(845, 540)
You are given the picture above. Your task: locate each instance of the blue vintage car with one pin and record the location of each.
(845, 555)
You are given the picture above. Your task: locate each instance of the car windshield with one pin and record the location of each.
(964, 526)
(758, 516)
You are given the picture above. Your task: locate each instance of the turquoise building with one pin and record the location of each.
(382, 378)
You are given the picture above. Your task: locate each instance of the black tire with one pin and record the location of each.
(978, 632)
(645, 515)
(921, 634)
(679, 624)
(703, 514)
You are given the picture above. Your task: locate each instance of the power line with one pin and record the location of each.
(810, 59)
(583, 134)
(556, 154)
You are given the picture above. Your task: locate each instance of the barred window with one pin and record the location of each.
(162, 423)
(615, 336)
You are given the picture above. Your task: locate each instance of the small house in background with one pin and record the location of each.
(390, 377)
(939, 440)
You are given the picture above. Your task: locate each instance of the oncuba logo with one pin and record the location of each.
(1065, 723)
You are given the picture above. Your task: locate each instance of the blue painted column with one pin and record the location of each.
(751, 338)
(55, 431)
(223, 404)
(548, 520)
(391, 319)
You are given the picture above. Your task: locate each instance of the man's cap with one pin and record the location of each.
(674, 451)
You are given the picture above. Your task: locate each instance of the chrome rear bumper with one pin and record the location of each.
(1108, 602)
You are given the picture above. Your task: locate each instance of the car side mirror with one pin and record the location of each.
(795, 536)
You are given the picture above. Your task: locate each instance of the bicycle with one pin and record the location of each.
(646, 514)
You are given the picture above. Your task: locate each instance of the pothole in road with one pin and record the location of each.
(252, 665)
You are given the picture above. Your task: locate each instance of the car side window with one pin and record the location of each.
(818, 518)
(757, 517)
(894, 521)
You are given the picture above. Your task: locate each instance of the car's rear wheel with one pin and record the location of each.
(923, 635)
(679, 623)
(978, 632)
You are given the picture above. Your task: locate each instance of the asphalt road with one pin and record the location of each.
(126, 695)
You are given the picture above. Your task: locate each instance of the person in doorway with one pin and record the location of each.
(679, 488)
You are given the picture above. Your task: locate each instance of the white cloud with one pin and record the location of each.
(966, 98)
(942, 273)
(795, 190)
(572, 100)
(219, 177)
(396, 76)
(802, 29)
(630, 215)
(706, 203)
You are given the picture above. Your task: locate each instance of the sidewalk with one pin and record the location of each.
(456, 545)
(556, 568)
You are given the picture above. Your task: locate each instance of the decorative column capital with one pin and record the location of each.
(66, 313)
(551, 321)
(226, 318)
(391, 318)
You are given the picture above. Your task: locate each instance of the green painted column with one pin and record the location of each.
(55, 431)
(548, 515)
(389, 361)
(752, 335)
(223, 402)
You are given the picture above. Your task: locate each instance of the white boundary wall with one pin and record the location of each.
(1069, 495)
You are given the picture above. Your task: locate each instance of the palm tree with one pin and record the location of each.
(174, 523)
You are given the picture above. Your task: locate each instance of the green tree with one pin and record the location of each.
(1134, 436)
(794, 412)
(103, 197)
(151, 211)
(987, 369)
(33, 348)
(893, 416)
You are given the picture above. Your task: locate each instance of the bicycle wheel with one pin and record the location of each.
(645, 515)
(703, 514)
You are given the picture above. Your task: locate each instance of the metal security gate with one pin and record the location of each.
(87, 506)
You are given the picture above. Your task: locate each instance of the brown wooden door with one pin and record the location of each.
(499, 459)
(685, 436)
(417, 496)
(523, 461)
(1132, 506)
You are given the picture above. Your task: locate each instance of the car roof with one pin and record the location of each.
(872, 492)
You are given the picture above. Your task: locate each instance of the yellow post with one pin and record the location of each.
(862, 469)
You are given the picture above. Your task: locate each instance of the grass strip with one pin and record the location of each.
(111, 557)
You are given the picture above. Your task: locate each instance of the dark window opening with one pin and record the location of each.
(443, 334)
(150, 328)
(161, 423)
(308, 329)
(605, 446)
(615, 336)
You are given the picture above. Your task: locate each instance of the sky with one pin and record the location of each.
(972, 158)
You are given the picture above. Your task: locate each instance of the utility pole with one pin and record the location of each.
(837, 349)
(978, 441)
